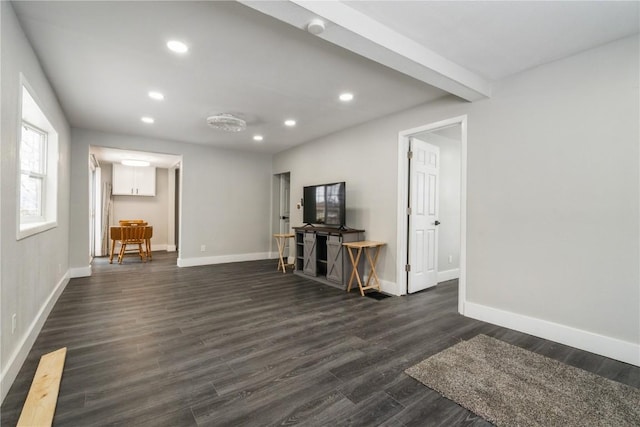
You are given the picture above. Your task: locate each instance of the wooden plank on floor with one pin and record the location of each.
(41, 401)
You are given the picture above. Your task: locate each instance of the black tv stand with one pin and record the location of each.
(321, 256)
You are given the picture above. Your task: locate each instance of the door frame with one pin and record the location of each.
(276, 201)
(403, 195)
(285, 186)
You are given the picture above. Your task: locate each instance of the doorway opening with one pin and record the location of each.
(95, 215)
(160, 209)
(282, 207)
(432, 196)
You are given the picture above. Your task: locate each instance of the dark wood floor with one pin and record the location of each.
(241, 344)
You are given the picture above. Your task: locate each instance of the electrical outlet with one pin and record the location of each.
(203, 248)
(13, 323)
(450, 259)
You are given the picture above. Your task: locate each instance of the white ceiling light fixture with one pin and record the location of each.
(346, 97)
(177, 46)
(290, 122)
(226, 122)
(148, 120)
(156, 95)
(316, 26)
(134, 162)
(258, 138)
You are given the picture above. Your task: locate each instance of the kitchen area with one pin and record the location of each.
(134, 185)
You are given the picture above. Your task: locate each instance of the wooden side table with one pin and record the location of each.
(372, 281)
(281, 240)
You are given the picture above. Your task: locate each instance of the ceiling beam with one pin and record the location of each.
(357, 32)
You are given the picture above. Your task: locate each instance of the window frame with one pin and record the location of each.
(32, 115)
(41, 175)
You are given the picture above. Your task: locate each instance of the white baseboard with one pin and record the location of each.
(80, 272)
(170, 248)
(443, 276)
(613, 348)
(390, 288)
(17, 358)
(386, 286)
(393, 288)
(221, 259)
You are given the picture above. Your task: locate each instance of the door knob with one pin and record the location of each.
(436, 223)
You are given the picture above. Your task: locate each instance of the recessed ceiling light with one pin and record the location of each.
(257, 137)
(346, 97)
(177, 46)
(156, 95)
(290, 122)
(148, 120)
(133, 162)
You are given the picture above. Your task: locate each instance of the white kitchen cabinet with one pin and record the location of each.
(133, 180)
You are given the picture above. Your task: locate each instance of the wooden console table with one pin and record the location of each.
(373, 276)
(320, 255)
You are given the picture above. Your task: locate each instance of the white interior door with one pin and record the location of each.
(285, 199)
(423, 215)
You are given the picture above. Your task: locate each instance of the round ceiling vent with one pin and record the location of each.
(226, 122)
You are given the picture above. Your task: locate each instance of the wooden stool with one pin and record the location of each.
(360, 246)
(281, 240)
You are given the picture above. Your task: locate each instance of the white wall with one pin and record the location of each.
(553, 196)
(35, 269)
(226, 198)
(153, 209)
(361, 157)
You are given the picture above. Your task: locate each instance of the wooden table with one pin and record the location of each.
(281, 240)
(115, 234)
(364, 246)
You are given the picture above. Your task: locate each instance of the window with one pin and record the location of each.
(33, 168)
(37, 165)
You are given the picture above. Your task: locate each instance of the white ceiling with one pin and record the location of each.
(496, 39)
(254, 59)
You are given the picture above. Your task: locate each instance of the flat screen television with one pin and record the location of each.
(325, 204)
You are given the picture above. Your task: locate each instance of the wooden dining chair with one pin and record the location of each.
(115, 235)
(148, 234)
(133, 235)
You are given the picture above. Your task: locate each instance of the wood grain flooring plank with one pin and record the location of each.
(241, 344)
(374, 411)
(434, 410)
(406, 390)
(182, 417)
(292, 368)
(258, 405)
(305, 414)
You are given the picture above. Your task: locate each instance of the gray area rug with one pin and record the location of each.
(510, 386)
